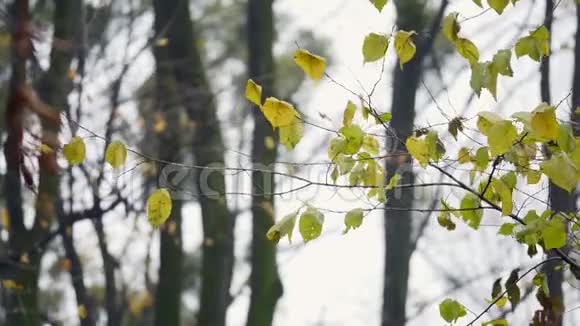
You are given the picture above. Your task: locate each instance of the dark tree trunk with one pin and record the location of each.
(560, 200)
(173, 21)
(264, 280)
(168, 293)
(411, 15)
(54, 87)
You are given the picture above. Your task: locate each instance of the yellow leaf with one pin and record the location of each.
(45, 149)
(544, 123)
(418, 150)
(468, 50)
(404, 46)
(254, 92)
(269, 142)
(374, 47)
(71, 74)
(371, 144)
(11, 285)
(160, 123)
(561, 171)
(116, 154)
(533, 176)
(379, 4)
(451, 26)
(162, 42)
(463, 156)
(75, 151)
(498, 5)
(278, 113)
(159, 207)
(284, 227)
(312, 64)
(348, 114)
(140, 301)
(82, 311)
(291, 134)
(5, 219)
(500, 133)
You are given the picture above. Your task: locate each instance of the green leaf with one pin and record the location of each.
(348, 114)
(345, 163)
(451, 27)
(468, 50)
(542, 37)
(374, 47)
(513, 291)
(334, 174)
(282, 228)
(501, 63)
(561, 171)
(496, 289)
(354, 138)
(455, 126)
(393, 182)
(505, 195)
(478, 77)
(478, 3)
(310, 225)
(544, 123)
(337, 146)
(384, 118)
(444, 219)
(566, 140)
(471, 213)
(291, 134)
(451, 310)
(404, 46)
(481, 159)
(507, 229)
(353, 219)
(533, 176)
(483, 75)
(379, 4)
(510, 179)
(371, 144)
(554, 234)
(528, 46)
(498, 5)
(496, 322)
(535, 45)
(435, 146)
(501, 134)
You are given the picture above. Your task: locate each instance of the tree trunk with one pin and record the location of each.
(173, 21)
(411, 15)
(22, 304)
(560, 200)
(168, 293)
(264, 280)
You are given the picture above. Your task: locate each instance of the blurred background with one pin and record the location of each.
(167, 78)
